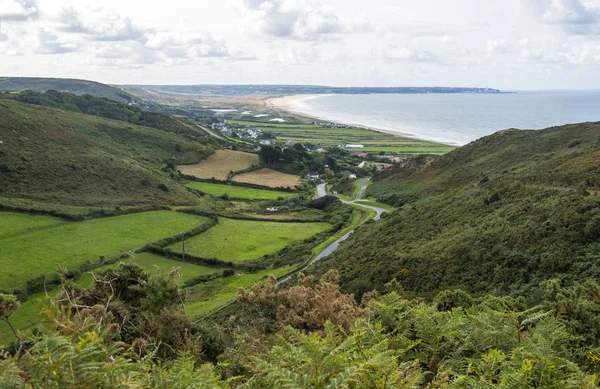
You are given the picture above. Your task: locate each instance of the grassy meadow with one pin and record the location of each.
(269, 177)
(31, 253)
(237, 192)
(373, 141)
(243, 240)
(13, 223)
(220, 164)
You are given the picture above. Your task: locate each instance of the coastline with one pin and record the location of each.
(286, 104)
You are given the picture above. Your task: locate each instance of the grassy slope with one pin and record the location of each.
(500, 214)
(241, 240)
(14, 224)
(237, 192)
(63, 157)
(63, 84)
(30, 254)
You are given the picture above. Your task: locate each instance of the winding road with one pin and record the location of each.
(321, 190)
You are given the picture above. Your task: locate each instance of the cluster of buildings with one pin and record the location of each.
(251, 134)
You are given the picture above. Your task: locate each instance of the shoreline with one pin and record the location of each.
(286, 104)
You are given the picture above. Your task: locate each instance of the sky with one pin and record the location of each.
(505, 44)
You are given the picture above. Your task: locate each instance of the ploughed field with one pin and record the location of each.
(220, 164)
(269, 177)
(238, 192)
(242, 240)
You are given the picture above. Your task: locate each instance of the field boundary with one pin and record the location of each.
(41, 282)
(92, 214)
(249, 218)
(240, 184)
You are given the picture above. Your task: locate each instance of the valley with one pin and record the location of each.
(136, 227)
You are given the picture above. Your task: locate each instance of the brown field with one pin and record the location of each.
(220, 164)
(268, 177)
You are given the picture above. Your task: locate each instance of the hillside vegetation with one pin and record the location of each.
(79, 87)
(63, 157)
(501, 214)
(106, 108)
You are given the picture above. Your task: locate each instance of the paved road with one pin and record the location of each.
(321, 191)
(334, 246)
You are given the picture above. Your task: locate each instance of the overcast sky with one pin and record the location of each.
(507, 44)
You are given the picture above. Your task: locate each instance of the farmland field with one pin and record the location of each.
(28, 313)
(242, 240)
(150, 262)
(269, 177)
(30, 254)
(12, 223)
(238, 192)
(373, 141)
(220, 164)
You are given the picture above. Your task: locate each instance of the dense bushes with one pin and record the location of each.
(124, 330)
(501, 214)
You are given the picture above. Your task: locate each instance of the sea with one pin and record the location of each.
(455, 119)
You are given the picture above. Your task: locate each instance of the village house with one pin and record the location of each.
(313, 176)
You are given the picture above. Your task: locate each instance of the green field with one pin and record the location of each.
(28, 313)
(242, 240)
(150, 262)
(238, 192)
(12, 223)
(32, 253)
(205, 297)
(373, 141)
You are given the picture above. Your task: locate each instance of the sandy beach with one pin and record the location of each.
(286, 104)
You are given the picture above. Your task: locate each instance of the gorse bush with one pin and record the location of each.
(93, 338)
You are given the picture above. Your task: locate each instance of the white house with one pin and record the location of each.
(353, 176)
(354, 147)
(362, 164)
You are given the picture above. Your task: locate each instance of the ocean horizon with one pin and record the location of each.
(455, 119)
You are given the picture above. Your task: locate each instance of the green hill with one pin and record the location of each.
(79, 87)
(106, 108)
(63, 157)
(500, 214)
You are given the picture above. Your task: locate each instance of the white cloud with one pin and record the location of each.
(300, 19)
(497, 46)
(395, 53)
(18, 10)
(101, 25)
(574, 15)
(50, 43)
